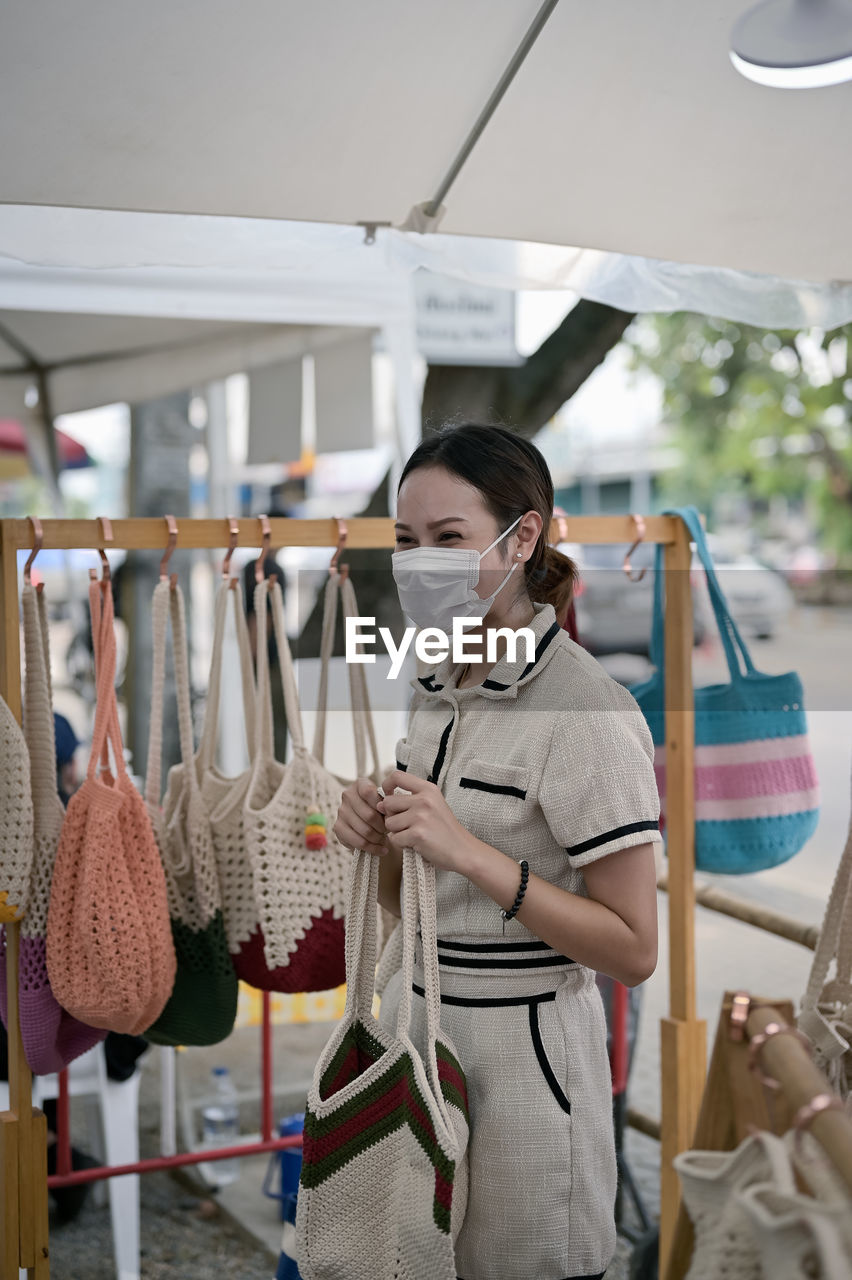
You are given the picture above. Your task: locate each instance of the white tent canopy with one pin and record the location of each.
(626, 129)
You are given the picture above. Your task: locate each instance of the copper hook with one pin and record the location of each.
(173, 537)
(740, 1008)
(107, 534)
(560, 516)
(233, 535)
(38, 539)
(266, 544)
(639, 521)
(342, 534)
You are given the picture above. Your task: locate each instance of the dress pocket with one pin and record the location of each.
(497, 779)
(548, 1041)
(402, 753)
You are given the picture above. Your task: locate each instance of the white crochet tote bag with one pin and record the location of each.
(298, 864)
(384, 1179)
(825, 1016)
(203, 1005)
(223, 796)
(725, 1247)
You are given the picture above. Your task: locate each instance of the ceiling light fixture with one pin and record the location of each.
(794, 44)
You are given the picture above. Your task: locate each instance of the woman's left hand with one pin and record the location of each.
(422, 821)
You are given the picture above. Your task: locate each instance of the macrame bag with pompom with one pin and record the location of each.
(52, 1037)
(203, 1005)
(299, 867)
(110, 955)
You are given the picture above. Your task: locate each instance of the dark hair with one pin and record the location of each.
(513, 478)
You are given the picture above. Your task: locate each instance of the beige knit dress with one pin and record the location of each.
(549, 760)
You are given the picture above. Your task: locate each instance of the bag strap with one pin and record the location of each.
(835, 935)
(168, 603)
(210, 726)
(360, 934)
(270, 590)
(39, 728)
(106, 729)
(728, 628)
(329, 623)
(362, 714)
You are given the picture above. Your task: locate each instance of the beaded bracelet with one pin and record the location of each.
(525, 874)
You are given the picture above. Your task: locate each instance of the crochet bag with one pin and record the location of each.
(384, 1177)
(16, 818)
(224, 797)
(826, 1012)
(756, 789)
(51, 1037)
(299, 866)
(203, 1005)
(389, 943)
(110, 954)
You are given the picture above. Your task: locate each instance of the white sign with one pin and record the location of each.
(461, 323)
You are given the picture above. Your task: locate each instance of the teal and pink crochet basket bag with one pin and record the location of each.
(756, 788)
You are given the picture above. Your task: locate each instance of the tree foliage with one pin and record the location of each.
(757, 412)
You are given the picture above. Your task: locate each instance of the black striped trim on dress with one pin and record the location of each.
(540, 962)
(539, 650)
(543, 1061)
(575, 849)
(403, 768)
(598, 1275)
(442, 751)
(497, 962)
(428, 682)
(487, 1002)
(497, 788)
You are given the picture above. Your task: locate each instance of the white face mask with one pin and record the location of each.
(436, 584)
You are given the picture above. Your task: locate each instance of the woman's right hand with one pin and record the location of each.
(359, 824)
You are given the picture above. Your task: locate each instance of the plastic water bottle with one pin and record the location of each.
(221, 1120)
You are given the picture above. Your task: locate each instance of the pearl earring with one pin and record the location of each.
(520, 555)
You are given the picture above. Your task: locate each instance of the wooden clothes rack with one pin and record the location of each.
(735, 1098)
(23, 1164)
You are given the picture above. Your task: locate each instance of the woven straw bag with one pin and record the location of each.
(110, 954)
(203, 1005)
(51, 1036)
(384, 1177)
(826, 1013)
(299, 866)
(796, 1235)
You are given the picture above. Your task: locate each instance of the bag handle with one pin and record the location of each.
(360, 934)
(362, 714)
(39, 729)
(363, 727)
(728, 629)
(210, 727)
(106, 729)
(835, 935)
(269, 589)
(168, 603)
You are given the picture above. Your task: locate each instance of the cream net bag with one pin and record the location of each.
(751, 1221)
(298, 865)
(384, 1178)
(224, 797)
(16, 818)
(203, 1005)
(389, 930)
(826, 1013)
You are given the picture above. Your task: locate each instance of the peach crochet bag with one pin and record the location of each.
(110, 955)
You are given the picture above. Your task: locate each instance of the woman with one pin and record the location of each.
(545, 761)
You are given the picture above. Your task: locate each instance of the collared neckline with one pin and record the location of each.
(505, 677)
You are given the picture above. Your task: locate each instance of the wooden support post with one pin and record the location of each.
(683, 1036)
(23, 1144)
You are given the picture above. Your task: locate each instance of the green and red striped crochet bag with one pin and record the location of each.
(384, 1178)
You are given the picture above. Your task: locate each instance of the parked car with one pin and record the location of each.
(614, 614)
